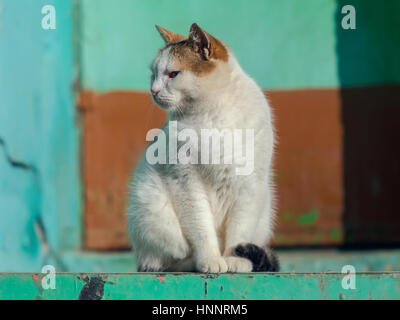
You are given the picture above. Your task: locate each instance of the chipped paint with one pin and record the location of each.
(336, 234)
(304, 219)
(93, 289)
(309, 218)
(161, 278)
(384, 285)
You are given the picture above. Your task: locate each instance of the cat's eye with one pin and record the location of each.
(173, 74)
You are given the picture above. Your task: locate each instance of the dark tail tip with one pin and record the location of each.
(262, 260)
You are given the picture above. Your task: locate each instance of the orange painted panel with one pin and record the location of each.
(308, 163)
(114, 138)
(309, 166)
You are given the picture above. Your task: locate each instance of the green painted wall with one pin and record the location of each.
(283, 44)
(370, 54)
(272, 39)
(39, 148)
(178, 286)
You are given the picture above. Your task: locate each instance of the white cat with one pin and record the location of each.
(204, 217)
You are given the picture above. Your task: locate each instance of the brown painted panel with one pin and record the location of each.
(308, 163)
(115, 127)
(318, 161)
(308, 166)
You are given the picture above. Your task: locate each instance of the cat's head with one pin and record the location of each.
(187, 68)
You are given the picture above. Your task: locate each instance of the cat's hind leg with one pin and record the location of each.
(157, 237)
(158, 242)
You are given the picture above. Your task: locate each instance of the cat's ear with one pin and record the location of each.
(201, 41)
(168, 36)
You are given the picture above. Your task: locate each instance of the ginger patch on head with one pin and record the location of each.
(197, 53)
(188, 59)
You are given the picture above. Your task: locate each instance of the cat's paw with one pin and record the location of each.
(179, 251)
(212, 265)
(236, 264)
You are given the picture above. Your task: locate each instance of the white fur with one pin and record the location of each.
(190, 217)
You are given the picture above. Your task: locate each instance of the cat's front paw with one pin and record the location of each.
(212, 265)
(236, 264)
(179, 251)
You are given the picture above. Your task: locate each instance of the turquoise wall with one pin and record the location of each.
(282, 44)
(285, 44)
(39, 155)
(370, 54)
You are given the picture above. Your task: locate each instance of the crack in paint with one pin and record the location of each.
(38, 223)
(15, 163)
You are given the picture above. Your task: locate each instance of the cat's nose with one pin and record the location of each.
(154, 92)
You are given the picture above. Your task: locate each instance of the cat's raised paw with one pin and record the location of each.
(236, 264)
(212, 265)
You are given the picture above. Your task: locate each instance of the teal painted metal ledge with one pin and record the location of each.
(185, 286)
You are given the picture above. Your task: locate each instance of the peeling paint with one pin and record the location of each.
(93, 289)
(161, 278)
(305, 219)
(193, 286)
(336, 234)
(210, 275)
(309, 218)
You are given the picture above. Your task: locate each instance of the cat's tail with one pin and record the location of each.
(263, 259)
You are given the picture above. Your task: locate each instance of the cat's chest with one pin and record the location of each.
(223, 187)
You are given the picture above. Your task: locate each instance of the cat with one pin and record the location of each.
(204, 217)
